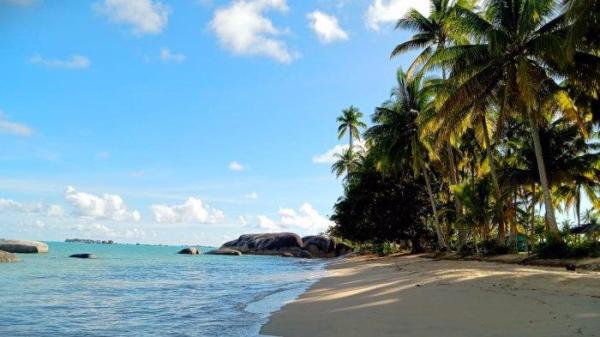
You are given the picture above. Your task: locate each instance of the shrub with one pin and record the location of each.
(553, 248)
(493, 247)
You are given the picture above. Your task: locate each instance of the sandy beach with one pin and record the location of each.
(414, 296)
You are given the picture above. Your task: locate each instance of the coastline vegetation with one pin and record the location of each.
(489, 132)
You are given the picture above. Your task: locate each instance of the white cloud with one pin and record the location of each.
(329, 156)
(381, 12)
(192, 211)
(8, 205)
(243, 28)
(144, 16)
(134, 233)
(75, 62)
(235, 166)
(106, 206)
(252, 196)
(14, 128)
(326, 27)
(305, 218)
(167, 56)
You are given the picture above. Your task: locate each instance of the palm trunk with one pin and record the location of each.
(497, 193)
(550, 217)
(436, 221)
(349, 149)
(454, 180)
(578, 205)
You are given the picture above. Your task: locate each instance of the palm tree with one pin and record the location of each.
(432, 34)
(394, 137)
(346, 162)
(350, 122)
(519, 50)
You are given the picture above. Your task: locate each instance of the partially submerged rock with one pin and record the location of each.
(83, 256)
(224, 251)
(7, 257)
(189, 251)
(269, 244)
(23, 246)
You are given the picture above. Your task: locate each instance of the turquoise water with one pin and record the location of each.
(145, 291)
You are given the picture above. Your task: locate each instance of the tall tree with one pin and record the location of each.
(394, 137)
(433, 33)
(350, 122)
(518, 51)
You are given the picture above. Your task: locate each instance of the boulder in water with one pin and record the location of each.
(189, 251)
(320, 245)
(269, 244)
(224, 251)
(7, 257)
(83, 256)
(23, 246)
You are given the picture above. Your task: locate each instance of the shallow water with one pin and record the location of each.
(145, 291)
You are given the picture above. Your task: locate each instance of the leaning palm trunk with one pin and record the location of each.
(436, 221)
(550, 217)
(497, 193)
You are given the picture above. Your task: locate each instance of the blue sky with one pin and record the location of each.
(125, 120)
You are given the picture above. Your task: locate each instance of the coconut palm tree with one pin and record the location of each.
(513, 62)
(350, 122)
(435, 32)
(394, 137)
(346, 162)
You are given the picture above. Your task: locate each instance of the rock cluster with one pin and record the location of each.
(7, 257)
(288, 245)
(224, 251)
(23, 246)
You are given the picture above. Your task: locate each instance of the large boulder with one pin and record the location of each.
(23, 246)
(83, 256)
(224, 251)
(7, 257)
(189, 251)
(269, 244)
(320, 245)
(324, 246)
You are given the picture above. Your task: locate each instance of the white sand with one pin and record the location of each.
(413, 296)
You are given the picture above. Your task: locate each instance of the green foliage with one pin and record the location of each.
(382, 208)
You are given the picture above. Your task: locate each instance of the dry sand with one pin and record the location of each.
(413, 296)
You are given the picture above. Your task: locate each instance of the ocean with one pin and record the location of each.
(143, 290)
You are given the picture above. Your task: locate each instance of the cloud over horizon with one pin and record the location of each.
(193, 210)
(107, 206)
(14, 128)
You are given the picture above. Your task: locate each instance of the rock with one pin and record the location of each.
(225, 251)
(287, 254)
(189, 251)
(83, 256)
(324, 246)
(269, 244)
(571, 267)
(23, 246)
(320, 245)
(7, 257)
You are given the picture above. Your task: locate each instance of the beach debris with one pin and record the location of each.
(571, 267)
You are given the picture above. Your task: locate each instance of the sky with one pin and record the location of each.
(182, 122)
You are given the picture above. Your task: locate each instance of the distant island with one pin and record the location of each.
(89, 241)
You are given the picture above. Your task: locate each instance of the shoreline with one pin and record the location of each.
(421, 297)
